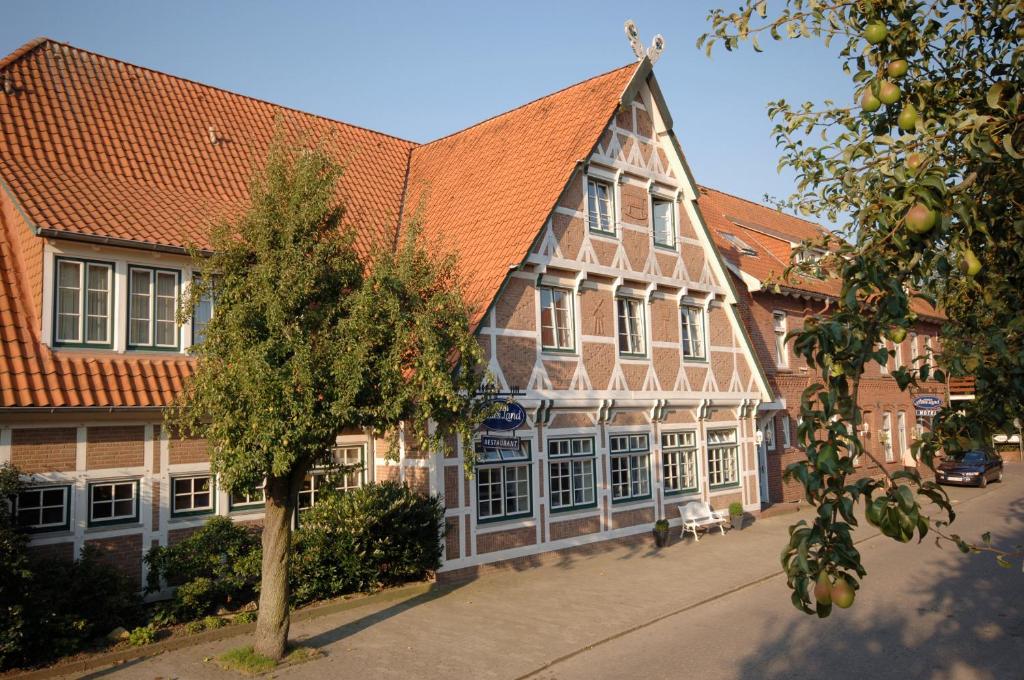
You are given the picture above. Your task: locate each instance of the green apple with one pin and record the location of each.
(875, 32)
(897, 334)
(971, 263)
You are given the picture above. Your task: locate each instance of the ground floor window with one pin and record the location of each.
(248, 499)
(503, 482)
(345, 472)
(192, 495)
(111, 502)
(571, 473)
(679, 461)
(352, 466)
(630, 466)
(43, 508)
(723, 458)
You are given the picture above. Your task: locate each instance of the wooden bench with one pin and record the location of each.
(699, 515)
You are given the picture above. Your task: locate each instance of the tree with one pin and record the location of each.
(15, 575)
(296, 350)
(924, 175)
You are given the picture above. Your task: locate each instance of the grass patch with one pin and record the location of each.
(246, 661)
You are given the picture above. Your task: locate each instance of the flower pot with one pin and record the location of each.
(737, 521)
(660, 536)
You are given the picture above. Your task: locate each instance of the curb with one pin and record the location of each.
(399, 594)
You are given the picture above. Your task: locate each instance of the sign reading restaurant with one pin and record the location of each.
(509, 417)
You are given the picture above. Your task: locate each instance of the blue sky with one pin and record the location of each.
(420, 70)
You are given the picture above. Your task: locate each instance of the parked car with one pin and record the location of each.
(974, 468)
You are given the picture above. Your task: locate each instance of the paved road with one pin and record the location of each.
(717, 609)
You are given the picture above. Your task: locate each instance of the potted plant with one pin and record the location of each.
(660, 532)
(736, 515)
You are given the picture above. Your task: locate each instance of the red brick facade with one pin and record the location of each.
(44, 449)
(122, 552)
(114, 447)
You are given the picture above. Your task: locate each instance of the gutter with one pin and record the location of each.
(76, 409)
(112, 241)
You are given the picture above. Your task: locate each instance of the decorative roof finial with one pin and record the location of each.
(652, 52)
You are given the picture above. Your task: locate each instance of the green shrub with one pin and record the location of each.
(193, 627)
(376, 535)
(14, 573)
(143, 635)
(213, 622)
(735, 509)
(244, 617)
(218, 565)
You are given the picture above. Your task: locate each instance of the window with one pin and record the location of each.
(901, 426)
(203, 312)
(631, 326)
(44, 508)
(913, 350)
(347, 474)
(884, 368)
(780, 325)
(786, 443)
(152, 304)
(769, 434)
(928, 349)
(663, 213)
(248, 499)
(556, 330)
(571, 473)
(83, 303)
(631, 467)
(897, 355)
(113, 502)
(679, 461)
(600, 207)
(886, 436)
(693, 331)
(503, 483)
(314, 484)
(192, 495)
(723, 459)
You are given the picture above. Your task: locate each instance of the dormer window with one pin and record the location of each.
(600, 206)
(739, 244)
(83, 303)
(152, 304)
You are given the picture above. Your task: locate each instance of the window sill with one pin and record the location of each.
(724, 487)
(190, 514)
(638, 500)
(699, 361)
(610, 235)
(116, 525)
(559, 352)
(635, 357)
(665, 247)
(494, 524)
(681, 493)
(576, 511)
(52, 532)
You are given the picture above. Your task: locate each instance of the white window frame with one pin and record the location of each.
(670, 243)
(630, 467)
(694, 340)
(42, 506)
(191, 493)
(114, 519)
(572, 462)
(786, 441)
(769, 434)
(249, 499)
(901, 427)
(631, 326)
(723, 459)
(207, 298)
(914, 353)
(152, 298)
(496, 469)
(550, 307)
(82, 297)
(345, 477)
(780, 326)
(897, 355)
(886, 431)
(597, 221)
(679, 453)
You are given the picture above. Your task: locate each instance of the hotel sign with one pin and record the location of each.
(927, 404)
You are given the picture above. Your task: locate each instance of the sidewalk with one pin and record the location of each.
(511, 624)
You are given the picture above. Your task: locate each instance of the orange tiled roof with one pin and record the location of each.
(95, 148)
(772, 233)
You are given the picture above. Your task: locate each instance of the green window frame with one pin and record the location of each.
(693, 332)
(153, 295)
(557, 331)
(192, 495)
(723, 459)
(248, 499)
(600, 207)
(40, 509)
(572, 472)
(83, 303)
(113, 502)
(631, 320)
(504, 483)
(663, 222)
(679, 462)
(630, 463)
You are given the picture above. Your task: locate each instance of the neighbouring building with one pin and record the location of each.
(757, 242)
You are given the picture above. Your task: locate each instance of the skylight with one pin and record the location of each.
(740, 245)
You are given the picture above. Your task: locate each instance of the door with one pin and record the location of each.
(762, 461)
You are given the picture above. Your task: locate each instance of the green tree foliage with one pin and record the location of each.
(924, 174)
(309, 339)
(14, 571)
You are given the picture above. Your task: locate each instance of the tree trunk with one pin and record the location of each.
(274, 618)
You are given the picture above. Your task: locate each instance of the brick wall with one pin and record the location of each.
(187, 451)
(122, 552)
(451, 538)
(43, 449)
(574, 527)
(418, 480)
(175, 536)
(503, 540)
(631, 518)
(451, 486)
(114, 447)
(54, 551)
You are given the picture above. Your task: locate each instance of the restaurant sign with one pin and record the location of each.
(927, 404)
(509, 417)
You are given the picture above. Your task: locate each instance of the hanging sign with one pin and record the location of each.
(487, 442)
(510, 417)
(927, 404)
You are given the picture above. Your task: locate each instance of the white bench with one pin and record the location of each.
(697, 515)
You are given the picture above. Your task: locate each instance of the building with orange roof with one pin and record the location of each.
(757, 243)
(601, 302)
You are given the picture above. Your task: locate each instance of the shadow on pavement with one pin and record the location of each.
(964, 618)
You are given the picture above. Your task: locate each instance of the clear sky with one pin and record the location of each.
(420, 70)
